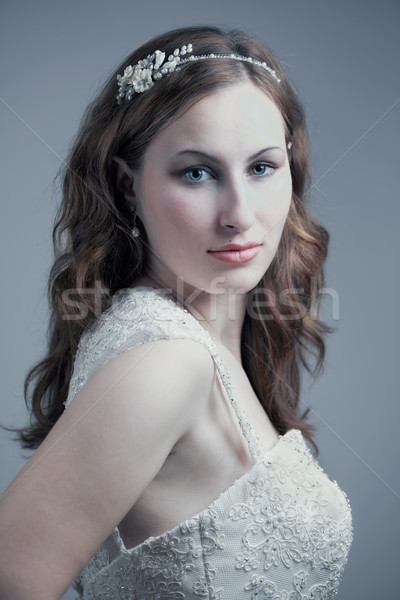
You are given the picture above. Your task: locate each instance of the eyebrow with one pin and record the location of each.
(216, 160)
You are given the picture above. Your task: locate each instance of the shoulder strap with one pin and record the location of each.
(138, 316)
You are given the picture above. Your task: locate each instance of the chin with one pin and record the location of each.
(233, 285)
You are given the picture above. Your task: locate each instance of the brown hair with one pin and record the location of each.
(94, 245)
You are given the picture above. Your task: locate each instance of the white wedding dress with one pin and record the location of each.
(282, 531)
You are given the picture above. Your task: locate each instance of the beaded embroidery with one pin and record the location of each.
(281, 531)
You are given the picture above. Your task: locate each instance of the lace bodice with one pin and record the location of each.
(281, 531)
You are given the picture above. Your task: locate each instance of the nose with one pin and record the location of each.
(236, 210)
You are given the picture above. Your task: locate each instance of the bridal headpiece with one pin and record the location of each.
(141, 77)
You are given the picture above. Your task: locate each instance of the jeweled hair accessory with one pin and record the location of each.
(140, 77)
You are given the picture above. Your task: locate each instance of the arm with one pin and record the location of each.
(75, 488)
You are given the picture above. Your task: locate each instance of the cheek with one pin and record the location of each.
(169, 214)
(281, 187)
(278, 202)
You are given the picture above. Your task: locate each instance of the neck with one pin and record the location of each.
(222, 314)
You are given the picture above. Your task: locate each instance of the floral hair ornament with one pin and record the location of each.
(140, 77)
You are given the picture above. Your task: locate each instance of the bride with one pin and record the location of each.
(171, 459)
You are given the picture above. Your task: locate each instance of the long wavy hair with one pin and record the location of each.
(95, 249)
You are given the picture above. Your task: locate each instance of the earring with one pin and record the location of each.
(135, 229)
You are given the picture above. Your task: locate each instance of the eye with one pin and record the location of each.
(197, 174)
(263, 169)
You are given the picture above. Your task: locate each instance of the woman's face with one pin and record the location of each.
(216, 176)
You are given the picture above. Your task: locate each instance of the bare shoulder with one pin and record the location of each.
(105, 449)
(181, 363)
(164, 376)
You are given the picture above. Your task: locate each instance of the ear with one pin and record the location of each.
(125, 178)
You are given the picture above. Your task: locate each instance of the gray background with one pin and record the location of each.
(343, 58)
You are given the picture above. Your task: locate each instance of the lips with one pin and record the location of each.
(239, 247)
(236, 253)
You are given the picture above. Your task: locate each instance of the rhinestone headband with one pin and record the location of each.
(140, 77)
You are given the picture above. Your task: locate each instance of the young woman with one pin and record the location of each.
(184, 302)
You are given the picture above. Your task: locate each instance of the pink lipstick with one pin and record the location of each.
(236, 253)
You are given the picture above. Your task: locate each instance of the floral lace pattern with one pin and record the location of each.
(282, 531)
(139, 316)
